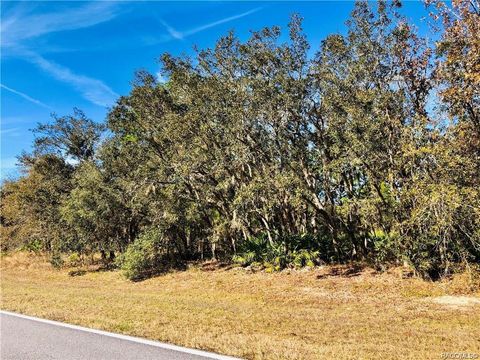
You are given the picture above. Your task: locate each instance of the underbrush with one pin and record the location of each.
(465, 280)
(149, 255)
(379, 250)
(274, 255)
(301, 251)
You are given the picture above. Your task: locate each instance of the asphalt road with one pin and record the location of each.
(28, 338)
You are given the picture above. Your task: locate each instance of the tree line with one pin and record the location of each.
(261, 153)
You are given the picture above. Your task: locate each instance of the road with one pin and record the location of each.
(25, 338)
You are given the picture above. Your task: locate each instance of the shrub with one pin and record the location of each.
(304, 258)
(35, 246)
(74, 259)
(146, 256)
(254, 249)
(56, 260)
(294, 251)
(386, 247)
(442, 229)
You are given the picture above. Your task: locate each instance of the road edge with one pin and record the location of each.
(124, 337)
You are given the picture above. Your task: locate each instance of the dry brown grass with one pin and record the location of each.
(329, 313)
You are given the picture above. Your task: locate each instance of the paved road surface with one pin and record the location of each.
(28, 338)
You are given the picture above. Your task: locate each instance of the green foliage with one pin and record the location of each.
(74, 259)
(34, 245)
(145, 257)
(258, 251)
(386, 247)
(304, 258)
(75, 136)
(56, 260)
(442, 228)
(255, 142)
(93, 210)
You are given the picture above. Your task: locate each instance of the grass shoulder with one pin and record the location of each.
(343, 311)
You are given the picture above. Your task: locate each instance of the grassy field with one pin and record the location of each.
(328, 313)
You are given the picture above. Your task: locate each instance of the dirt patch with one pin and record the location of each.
(457, 301)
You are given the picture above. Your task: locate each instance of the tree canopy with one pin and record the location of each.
(257, 152)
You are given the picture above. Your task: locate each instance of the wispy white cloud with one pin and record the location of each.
(179, 35)
(12, 132)
(173, 33)
(19, 26)
(13, 120)
(91, 89)
(219, 22)
(25, 96)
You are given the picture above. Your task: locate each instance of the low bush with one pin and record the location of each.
(147, 256)
(295, 252)
(74, 259)
(56, 260)
(35, 246)
(386, 248)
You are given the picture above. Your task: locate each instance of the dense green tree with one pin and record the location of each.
(74, 136)
(257, 151)
(30, 206)
(33, 203)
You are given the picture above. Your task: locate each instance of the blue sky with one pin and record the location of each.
(60, 55)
